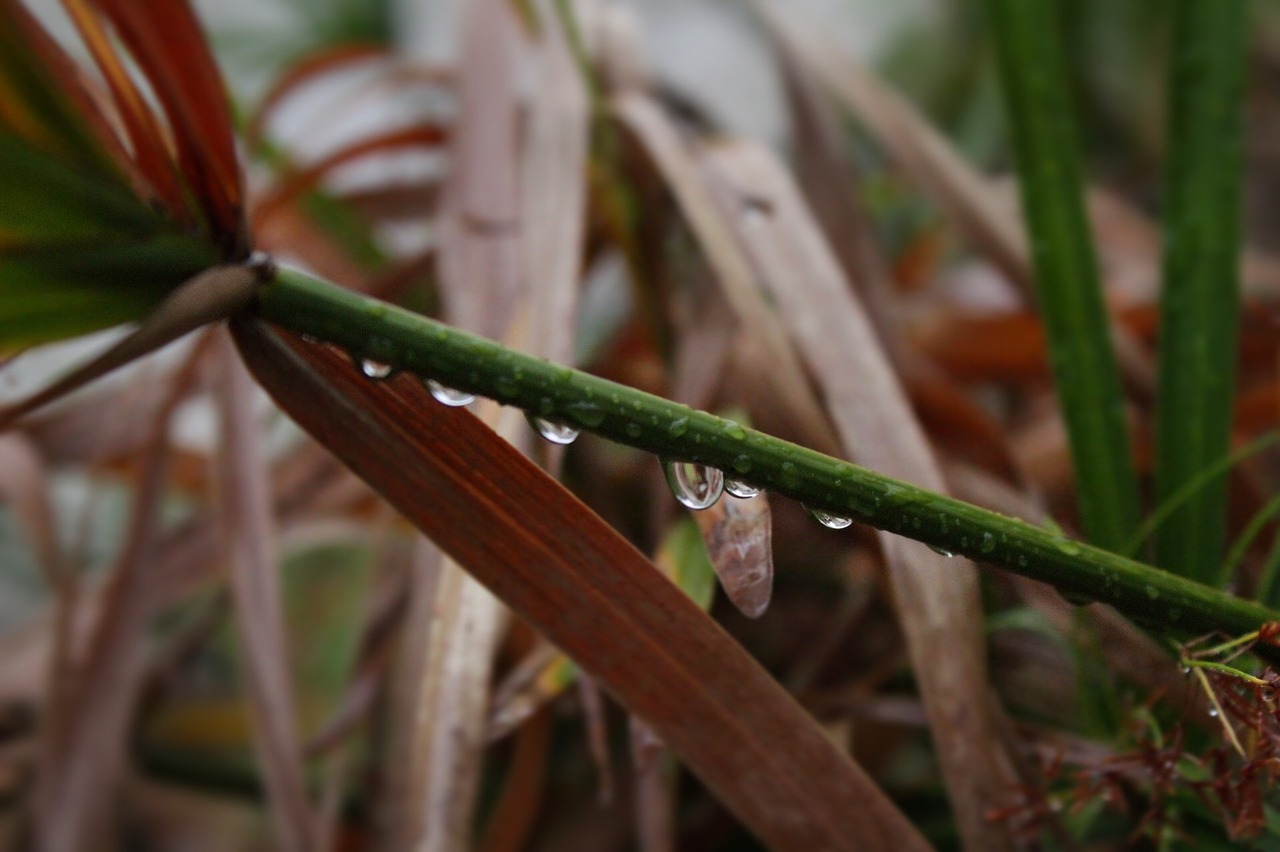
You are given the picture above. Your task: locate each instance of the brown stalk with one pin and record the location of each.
(83, 760)
(244, 503)
(589, 592)
(214, 294)
(936, 598)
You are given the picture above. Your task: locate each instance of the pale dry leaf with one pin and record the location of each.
(670, 153)
(739, 539)
(244, 502)
(936, 597)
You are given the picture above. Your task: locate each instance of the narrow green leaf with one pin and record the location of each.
(1084, 367)
(57, 292)
(1199, 304)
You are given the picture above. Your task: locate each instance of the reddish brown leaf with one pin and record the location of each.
(306, 179)
(591, 593)
(301, 73)
(166, 41)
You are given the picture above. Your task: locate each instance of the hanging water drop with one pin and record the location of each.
(827, 519)
(449, 396)
(696, 486)
(374, 369)
(741, 490)
(553, 430)
(941, 551)
(1213, 712)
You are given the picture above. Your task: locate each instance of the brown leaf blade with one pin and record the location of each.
(592, 594)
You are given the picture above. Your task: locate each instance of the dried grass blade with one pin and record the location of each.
(480, 228)
(671, 155)
(920, 150)
(514, 813)
(553, 195)
(588, 591)
(88, 717)
(826, 173)
(937, 599)
(244, 500)
(452, 711)
(25, 487)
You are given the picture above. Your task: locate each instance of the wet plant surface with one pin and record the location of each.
(516, 451)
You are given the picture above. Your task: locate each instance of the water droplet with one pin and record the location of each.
(678, 427)
(449, 396)
(835, 522)
(733, 430)
(740, 489)
(988, 543)
(634, 430)
(742, 464)
(1152, 592)
(553, 431)
(1186, 670)
(941, 551)
(374, 369)
(1213, 712)
(696, 486)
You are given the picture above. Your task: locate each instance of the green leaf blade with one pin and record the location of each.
(1199, 304)
(1076, 323)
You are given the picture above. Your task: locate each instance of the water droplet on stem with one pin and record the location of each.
(374, 369)
(829, 520)
(449, 396)
(552, 430)
(741, 490)
(696, 486)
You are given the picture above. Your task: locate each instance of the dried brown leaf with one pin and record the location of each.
(739, 539)
(587, 590)
(553, 195)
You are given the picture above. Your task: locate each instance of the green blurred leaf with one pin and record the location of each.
(683, 557)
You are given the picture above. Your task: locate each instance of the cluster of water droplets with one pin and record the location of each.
(696, 486)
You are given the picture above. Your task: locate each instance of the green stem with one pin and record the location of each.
(1033, 73)
(1199, 302)
(368, 328)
